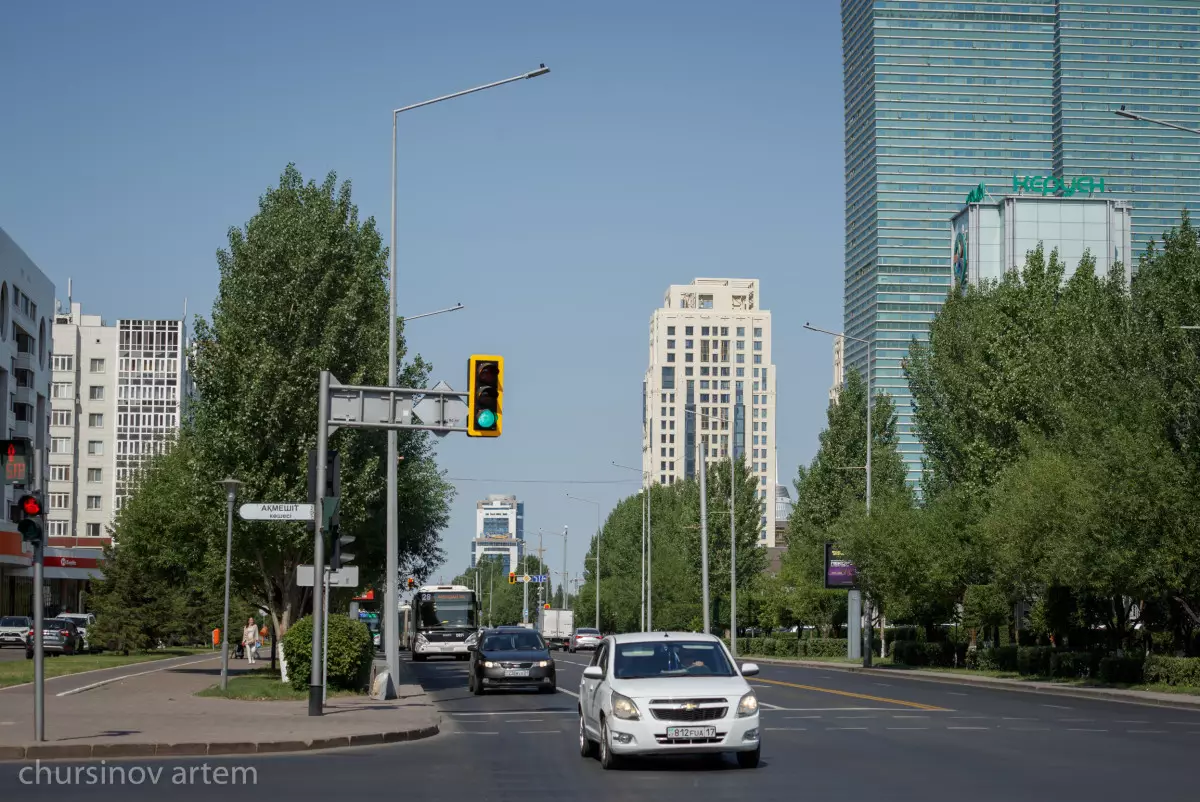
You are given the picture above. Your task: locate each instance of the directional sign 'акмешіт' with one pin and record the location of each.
(277, 512)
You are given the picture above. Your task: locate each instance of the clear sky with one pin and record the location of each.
(672, 140)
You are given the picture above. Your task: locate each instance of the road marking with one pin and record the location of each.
(1148, 732)
(1018, 718)
(473, 732)
(907, 716)
(883, 685)
(955, 693)
(1077, 720)
(568, 693)
(83, 688)
(827, 709)
(511, 712)
(787, 729)
(1132, 721)
(907, 728)
(966, 728)
(845, 728)
(849, 694)
(536, 732)
(844, 717)
(96, 670)
(1058, 707)
(968, 718)
(769, 707)
(522, 720)
(791, 718)
(1083, 729)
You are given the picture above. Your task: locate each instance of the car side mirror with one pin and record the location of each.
(593, 672)
(471, 647)
(749, 669)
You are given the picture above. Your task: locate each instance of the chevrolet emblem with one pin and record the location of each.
(690, 706)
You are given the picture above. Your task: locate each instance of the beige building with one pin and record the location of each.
(711, 386)
(839, 367)
(118, 395)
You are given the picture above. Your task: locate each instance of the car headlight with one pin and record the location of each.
(623, 707)
(748, 705)
(543, 664)
(422, 640)
(488, 664)
(472, 639)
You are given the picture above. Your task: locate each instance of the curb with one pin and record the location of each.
(52, 751)
(998, 684)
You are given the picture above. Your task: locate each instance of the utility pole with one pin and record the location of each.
(733, 554)
(491, 584)
(524, 589)
(702, 467)
(564, 570)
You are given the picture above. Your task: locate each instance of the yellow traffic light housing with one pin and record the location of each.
(485, 391)
(512, 577)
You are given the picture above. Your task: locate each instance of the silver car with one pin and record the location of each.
(584, 638)
(13, 629)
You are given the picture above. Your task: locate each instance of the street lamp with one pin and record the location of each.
(391, 590)
(454, 308)
(854, 594)
(1129, 115)
(231, 487)
(647, 575)
(597, 557)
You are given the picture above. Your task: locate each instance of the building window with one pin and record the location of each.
(63, 362)
(60, 501)
(96, 392)
(757, 332)
(670, 330)
(61, 390)
(56, 528)
(689, 331)
(741, 331)
(60, 417)
(60, 473)
(95, 448)
(93, 530)
(95, 474)
(671, 357)
(93, 502)
(96, 420)
(60, 445)
(97, 366)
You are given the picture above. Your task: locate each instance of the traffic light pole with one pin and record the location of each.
(316, 689)
(39, 608)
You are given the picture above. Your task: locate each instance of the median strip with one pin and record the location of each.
(850, 694)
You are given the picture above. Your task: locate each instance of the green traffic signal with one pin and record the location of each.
(486, 419)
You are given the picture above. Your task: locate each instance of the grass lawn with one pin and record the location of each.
(17, 672)
(262, 685)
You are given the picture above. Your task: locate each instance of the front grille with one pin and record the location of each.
(715, 701)
(516, 665)
(685, 715)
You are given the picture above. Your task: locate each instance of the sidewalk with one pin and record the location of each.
(1153, 698)
(157, 713)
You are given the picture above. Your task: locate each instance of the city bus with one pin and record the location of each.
(444, 620)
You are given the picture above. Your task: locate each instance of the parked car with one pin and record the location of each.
(511, 658)
(59, 636)
(13, 629)
(667, 693)
(82, 622)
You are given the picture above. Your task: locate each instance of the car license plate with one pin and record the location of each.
(516, 672)
(688, 733)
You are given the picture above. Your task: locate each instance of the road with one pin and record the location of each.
(12, 653)
(827, 735)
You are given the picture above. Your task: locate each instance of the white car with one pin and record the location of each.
(654, 693)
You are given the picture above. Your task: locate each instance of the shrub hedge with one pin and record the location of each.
(351, 650)
(794, 647)
(925, 653)
(1172, 670)
(1127, 670)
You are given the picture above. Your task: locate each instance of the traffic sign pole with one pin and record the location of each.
(39, 607)
(316, 697)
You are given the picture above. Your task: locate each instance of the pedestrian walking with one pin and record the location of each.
(250, 639)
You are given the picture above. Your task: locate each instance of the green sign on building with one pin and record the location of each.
(978, 194)
(1052, 185)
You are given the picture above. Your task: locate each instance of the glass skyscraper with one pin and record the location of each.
(941, 97)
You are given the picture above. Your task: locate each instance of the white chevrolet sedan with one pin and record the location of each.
(654, 693)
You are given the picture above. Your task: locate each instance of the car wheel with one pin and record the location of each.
(587, 747)
(608, 760)
(749, 760)
(28, 655)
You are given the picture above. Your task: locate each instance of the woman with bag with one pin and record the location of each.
(250, 639)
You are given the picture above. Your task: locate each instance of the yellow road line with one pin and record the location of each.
(916, 705)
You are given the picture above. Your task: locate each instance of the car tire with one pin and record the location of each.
(476, 686)
(749, 760)
(28, 655)
(608, 761)
(587, 747)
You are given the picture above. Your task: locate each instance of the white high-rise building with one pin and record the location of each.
(711, 375)
(839, 367)
(118, 395)
(499, 531)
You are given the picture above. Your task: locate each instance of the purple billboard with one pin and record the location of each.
(839, 571)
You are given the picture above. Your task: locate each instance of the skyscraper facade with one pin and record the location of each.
(942, 97)
(499, 531)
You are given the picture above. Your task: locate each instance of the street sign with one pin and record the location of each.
(527, 578)
(277, 512)
(539, 579)
(441, 410)
(346, 577)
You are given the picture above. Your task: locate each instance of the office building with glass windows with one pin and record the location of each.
(942, 97)
(499, 531)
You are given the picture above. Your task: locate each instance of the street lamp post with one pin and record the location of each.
(391, 579)
(1129, 115)
(231, 486)
(647, 543)
(597, 557)
(870, 437)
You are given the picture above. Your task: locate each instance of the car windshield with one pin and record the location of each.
(56, 623)
(671, 659)
(595, 632)
(14, 621)
(514, 642)
(446, 611)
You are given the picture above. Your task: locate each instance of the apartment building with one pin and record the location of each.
(499, 531)
(710, 386)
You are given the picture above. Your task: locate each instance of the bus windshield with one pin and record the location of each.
(446, 611)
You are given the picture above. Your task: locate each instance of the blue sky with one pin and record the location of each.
(671, 140)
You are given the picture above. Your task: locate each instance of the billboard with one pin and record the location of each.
(839, 571)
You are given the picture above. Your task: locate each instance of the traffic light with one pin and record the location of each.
(339, 557)
(545, 606)
(412, 583)
(333, 482)
(485, 395)
(32, 522)
(512, 577)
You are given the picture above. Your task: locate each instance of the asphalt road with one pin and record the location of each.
(827, 735)
(12, 653)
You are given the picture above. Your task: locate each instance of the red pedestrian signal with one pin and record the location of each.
(31, 525)
(31, 506)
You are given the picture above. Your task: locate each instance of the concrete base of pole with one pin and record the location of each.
(315, 701)
(854, 625)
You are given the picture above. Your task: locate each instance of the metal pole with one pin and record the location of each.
(229, 499)
(703, 469)
(870, 437)
(491, 584)
(525, 590)
(315, 688)
(598, 567)
(391, 593)
(643, 585)
(564, 574)
(732, 557)
(39, 654)
(649, 561)
(325, 644)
